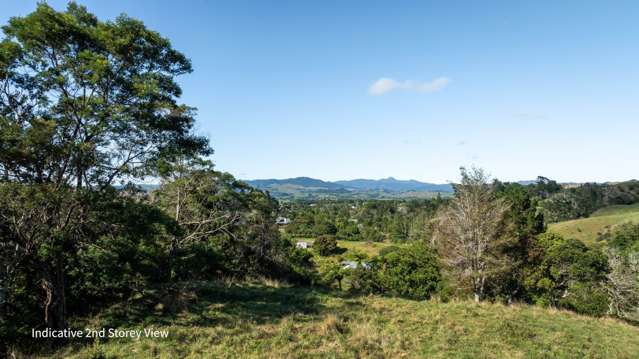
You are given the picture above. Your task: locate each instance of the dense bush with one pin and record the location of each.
(565, 273)
(624, 238)
(411, 272)
(386, 250)
(325, 245)
(92, 247)
(363, 220)
(581, 201)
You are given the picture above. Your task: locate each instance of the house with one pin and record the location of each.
(354, 265)
(282, 221)
(303, 245)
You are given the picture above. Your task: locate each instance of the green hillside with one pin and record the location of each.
(272, 321)
(588, 229)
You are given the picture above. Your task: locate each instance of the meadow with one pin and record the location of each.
(270, 320)
(605, 219)
(368, 248)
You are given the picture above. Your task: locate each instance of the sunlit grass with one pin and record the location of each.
(369, 248)
(605, 219)
(261, 321)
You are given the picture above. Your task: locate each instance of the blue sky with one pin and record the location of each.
(364, 89)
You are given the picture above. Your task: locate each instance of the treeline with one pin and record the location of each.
(489, 242)
(362, 220)
(407, 220)
(581, 201)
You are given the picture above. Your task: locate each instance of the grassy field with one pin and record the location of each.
(273, 321)
(370, 248)
(588, 229)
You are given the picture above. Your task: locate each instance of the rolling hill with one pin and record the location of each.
(395, 185)
(270, 320)
(310, 188)
(589, 229)
(304, 182)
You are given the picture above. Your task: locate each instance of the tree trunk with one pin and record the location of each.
(476, 297)
(4, 351)
(55, 310)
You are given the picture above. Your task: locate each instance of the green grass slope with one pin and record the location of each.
(588, 229)
(270, 321)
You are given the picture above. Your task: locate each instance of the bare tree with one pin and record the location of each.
(623, 285)
(467, 232)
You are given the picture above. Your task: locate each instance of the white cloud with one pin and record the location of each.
(384, 85)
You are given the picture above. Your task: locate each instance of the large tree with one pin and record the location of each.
(83, 103)
(468, 233)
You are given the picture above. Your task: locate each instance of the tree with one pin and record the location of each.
(331, 271)
(623, 279)
(623, 285)
(523, 221)
(83, 103)
(235, 219)
(400, 228)
(467, 233)
(565, 273)
(325, 245)
(411, 272)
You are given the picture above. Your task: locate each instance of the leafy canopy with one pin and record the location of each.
(84, 102)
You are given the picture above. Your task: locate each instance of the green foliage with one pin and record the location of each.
(523, 221)
(111, 248)
(325, 245)
(567, 274)
(583, 200)
(331, 271)
(624, 238)
(386, 250)
(371, 220)
(234, 221)
(86, 102)
(411, 272)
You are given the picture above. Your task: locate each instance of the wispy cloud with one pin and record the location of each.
(384, 85)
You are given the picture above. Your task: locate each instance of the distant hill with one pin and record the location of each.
(297, 181)
(395, 185)
(311, 188)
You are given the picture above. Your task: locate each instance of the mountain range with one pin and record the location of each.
(311, 188)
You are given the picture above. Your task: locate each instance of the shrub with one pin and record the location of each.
(325, 245)
(567, 274)
(331, 271)
(411, 272)
(386, 250)
(624, 238)
(364, 279)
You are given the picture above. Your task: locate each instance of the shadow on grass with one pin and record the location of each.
(213, 304)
